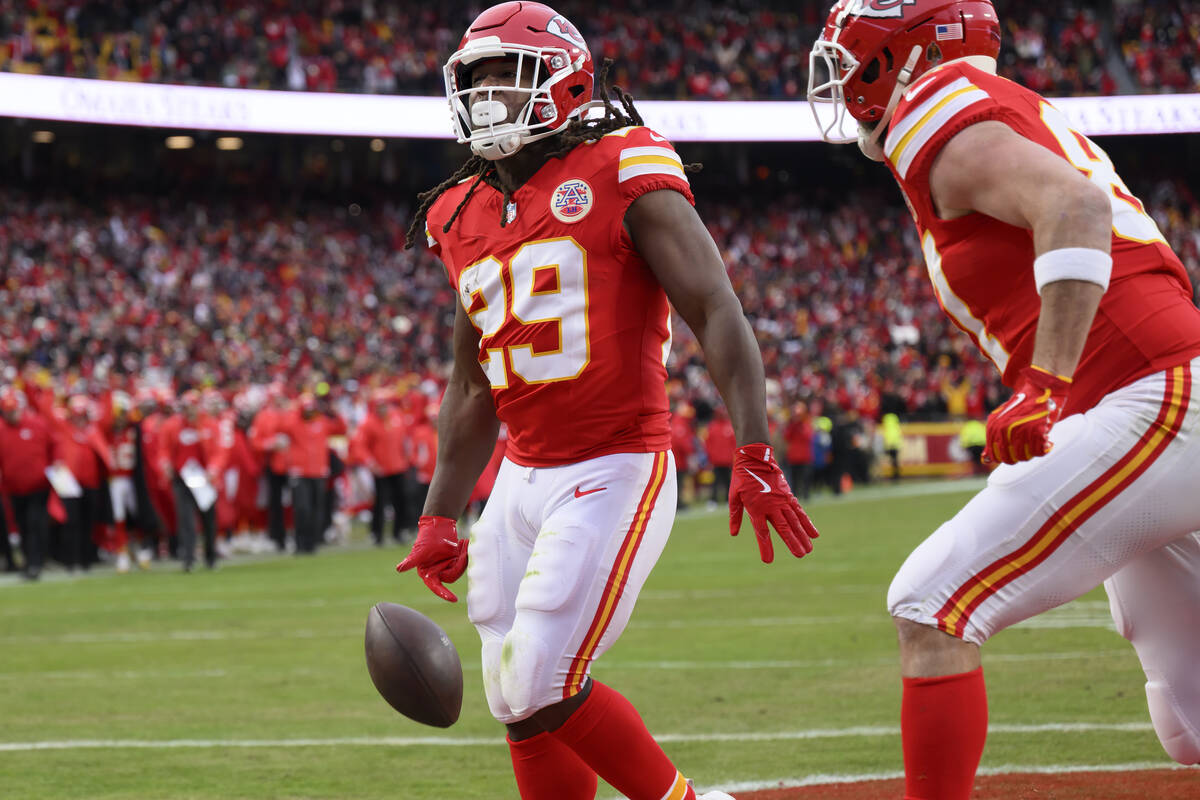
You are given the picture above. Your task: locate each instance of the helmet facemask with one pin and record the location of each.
(482, 121)
(829, 58)
(842, 67)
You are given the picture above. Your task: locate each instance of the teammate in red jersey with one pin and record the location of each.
(120, 434)
(1039, 252)
(565, 238)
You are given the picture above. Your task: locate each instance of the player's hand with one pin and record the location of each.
(759, 488)
(438, 555)
(1020, 429)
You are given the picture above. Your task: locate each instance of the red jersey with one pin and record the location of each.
(84, 452)
(309, 450)
(181, 440)
(574, 327)
(982, 269)
(122, 445)
(384, 442)
(265, 435)
(150, 426)
(26, 450)
(719, 442)
(424, 451)
(799, 437)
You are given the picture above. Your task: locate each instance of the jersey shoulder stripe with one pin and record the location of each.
(636, 161)
(917, 126)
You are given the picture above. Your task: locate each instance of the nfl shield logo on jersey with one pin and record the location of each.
(571, 201)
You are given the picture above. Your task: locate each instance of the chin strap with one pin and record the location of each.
(872, 143)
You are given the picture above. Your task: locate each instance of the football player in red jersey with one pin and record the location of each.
(1039, 252)
(564, 238)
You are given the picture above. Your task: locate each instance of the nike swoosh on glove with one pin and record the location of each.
(758, 487)
(1020, 429)
(438, 555)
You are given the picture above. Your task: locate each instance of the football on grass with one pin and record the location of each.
(414, 665)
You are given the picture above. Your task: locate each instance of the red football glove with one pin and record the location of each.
(438, 555)
(1020, 429)
(758, 486)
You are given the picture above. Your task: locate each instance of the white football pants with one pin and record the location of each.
(1117, 501)
(558, 558)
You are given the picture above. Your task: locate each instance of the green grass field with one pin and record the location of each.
(251, 680)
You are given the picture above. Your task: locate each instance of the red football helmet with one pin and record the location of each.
(562, 77)
(868, 45)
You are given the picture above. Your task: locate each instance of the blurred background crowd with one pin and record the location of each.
(666, 50)
(233, 352)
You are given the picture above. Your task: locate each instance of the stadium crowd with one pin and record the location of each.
(1057, 50)
(664, 50)
(302, 353)
(1160, 42)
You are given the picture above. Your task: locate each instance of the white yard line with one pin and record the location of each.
(1004, 769)
(616, 664)
(497, 741)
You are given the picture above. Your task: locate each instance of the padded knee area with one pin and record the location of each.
(525, 673)
(1179, 736)
(491, 656)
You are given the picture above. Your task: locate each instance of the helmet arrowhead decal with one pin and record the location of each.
(880, 8)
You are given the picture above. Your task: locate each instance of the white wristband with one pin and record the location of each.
(1073, 264)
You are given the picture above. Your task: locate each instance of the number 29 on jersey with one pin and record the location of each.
(545, 282)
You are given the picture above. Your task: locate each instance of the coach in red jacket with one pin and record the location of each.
(271, 444)
(383, 440)
(81, 448)
(185, 439)
(308, 429)
(26, 450)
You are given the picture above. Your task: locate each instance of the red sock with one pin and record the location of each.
(608, 734)
(120, 539)
(546, 769)
(944, 725)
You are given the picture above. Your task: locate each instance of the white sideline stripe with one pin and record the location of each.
(615, 664)
(496, 741)
(1004, 769)
(1054, 619)
(1007, 769)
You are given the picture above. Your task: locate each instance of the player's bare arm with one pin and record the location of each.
(1025, 185)
(467, 426)
(1022, 183)
(669, 235)
(467, 430)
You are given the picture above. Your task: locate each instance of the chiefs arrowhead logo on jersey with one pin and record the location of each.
(880, 8)
(571, 201)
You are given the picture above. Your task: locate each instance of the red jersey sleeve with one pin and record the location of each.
(937, 107)
(646, 162)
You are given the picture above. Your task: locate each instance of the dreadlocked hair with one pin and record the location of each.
(574, 134)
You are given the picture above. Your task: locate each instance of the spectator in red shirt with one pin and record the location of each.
(799, 437)
(26, 450)
(719, 443)
(186, 444)
(308, 430)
